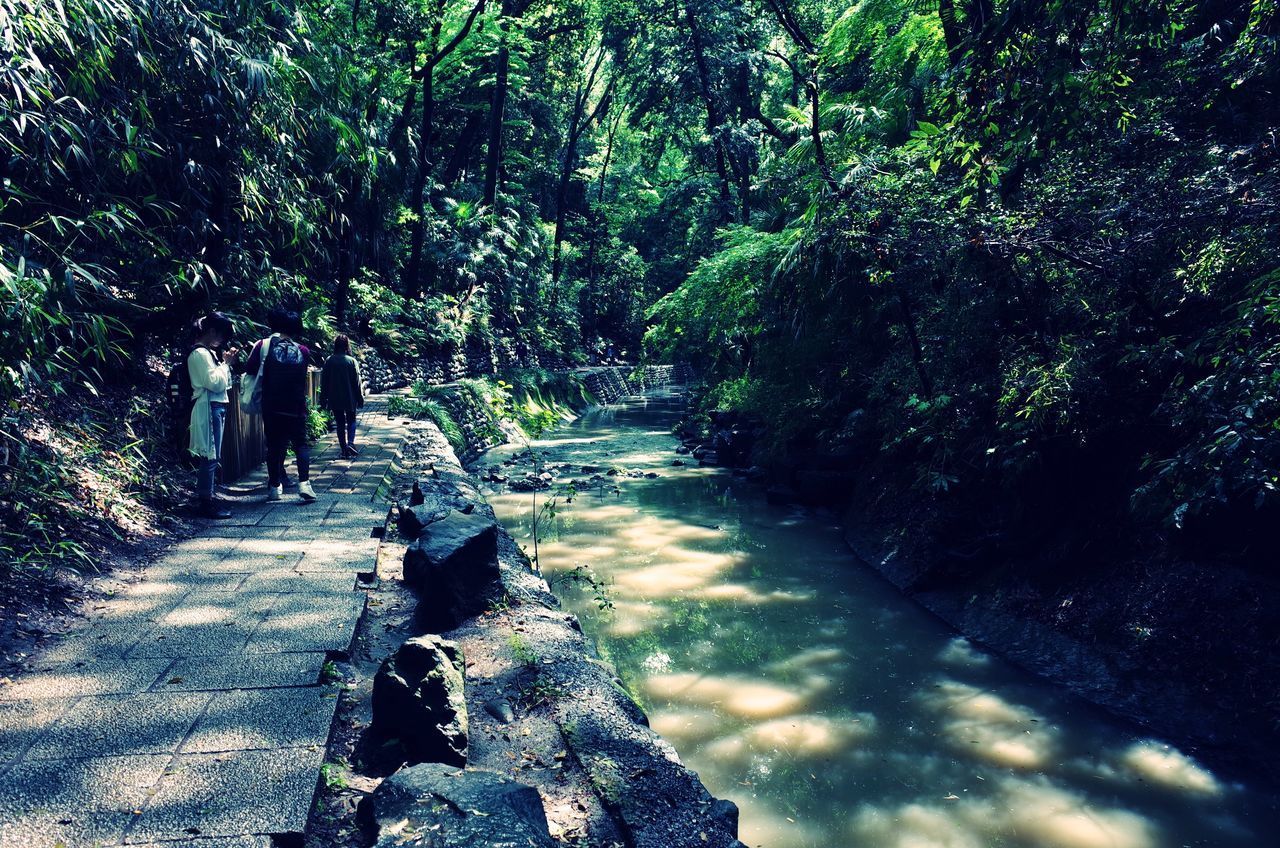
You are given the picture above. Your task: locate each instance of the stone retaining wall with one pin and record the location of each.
(383, 374)
(611, 383)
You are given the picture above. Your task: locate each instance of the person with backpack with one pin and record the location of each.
(341, 394)
(209, 376)
(284, 365)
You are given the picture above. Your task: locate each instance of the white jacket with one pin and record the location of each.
(208, 378)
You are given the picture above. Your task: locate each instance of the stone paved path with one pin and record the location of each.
(189, 709)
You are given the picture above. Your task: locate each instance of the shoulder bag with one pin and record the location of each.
(251, 384)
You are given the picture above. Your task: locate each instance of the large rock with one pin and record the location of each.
(435, 806)
(429, 504)
(454, 567)
(412, 520)
(418, 698)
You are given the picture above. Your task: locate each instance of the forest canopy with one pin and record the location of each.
(995, 245)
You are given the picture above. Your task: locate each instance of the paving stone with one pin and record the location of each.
(244, 515)
(158, 593)
(22, 722)
(340, 556)
(247, 561)
(276, 581)
(309, 623)
(207, 544)
(107, 639)
(205, 623)
(345, 479)
(268, 546)
(206, 578)
(342, 505)
(104, 677)
(264, 718)
(243, 671)
(282, 514)
(218, 648)
(74, 803)
(213, 532)
(194, 641)
(114, 725)
(354, 525)
(221, 842)
(231, 794)
(307, 529)
(299, 512)
(203, 609)
(211, 623)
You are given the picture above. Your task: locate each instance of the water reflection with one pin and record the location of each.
(804, 687)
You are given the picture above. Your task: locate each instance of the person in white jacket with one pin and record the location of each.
(210, 373)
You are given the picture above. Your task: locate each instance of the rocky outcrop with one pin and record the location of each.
(728, 440)
(419, 698)
(434, 806)
(454, 566)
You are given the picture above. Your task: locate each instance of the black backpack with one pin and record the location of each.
(284, 378)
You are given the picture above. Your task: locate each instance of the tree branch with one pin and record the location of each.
(453, 43)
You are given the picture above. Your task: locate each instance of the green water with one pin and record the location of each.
(834, 711)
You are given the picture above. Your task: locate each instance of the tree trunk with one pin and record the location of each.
(418, 202)
(579, 121)
(593, 240)
(412, 285)
(346, 256)
(819, 149)
(493, 157)
(917, 353)
(951, 31)
(713, 112)
(462, 149)
(562, 200)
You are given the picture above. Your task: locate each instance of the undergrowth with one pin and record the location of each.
(427, 409)
(533, 399)
(85, 473)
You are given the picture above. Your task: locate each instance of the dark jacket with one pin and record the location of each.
(340, 384)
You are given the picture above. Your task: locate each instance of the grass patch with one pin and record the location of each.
(430, 409)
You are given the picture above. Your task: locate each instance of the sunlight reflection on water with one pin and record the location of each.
(835, 712)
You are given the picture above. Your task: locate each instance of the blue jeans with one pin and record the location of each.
(208, 471)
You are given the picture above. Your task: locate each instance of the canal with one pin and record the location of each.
(801, 685)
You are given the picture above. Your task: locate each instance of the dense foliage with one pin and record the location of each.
(996, 245)
(1019, 256)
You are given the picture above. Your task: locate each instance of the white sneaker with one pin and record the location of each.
(305, 491)
(275, 493)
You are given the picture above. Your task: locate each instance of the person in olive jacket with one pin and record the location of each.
(341, 394)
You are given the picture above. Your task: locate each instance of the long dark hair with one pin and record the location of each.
(342, 345)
